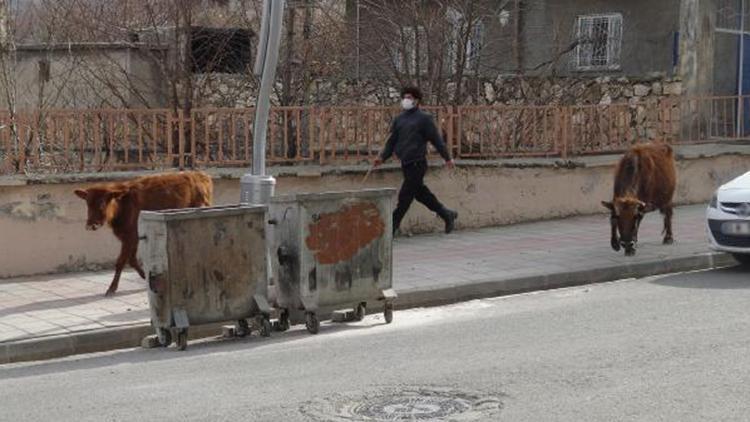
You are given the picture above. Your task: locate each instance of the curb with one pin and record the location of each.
(73, 344)
(481, 289)
(130, 336)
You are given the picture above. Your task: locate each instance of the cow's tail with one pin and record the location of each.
(204, 189)
(668, 151)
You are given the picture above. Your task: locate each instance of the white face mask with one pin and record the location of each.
(407, 104)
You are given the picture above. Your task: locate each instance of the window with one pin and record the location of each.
(473, 47)
(220, 50)
(44, 71)
(599, 42)
(406, 56)
(729, 15)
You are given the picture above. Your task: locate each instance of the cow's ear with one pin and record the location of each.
(116, 194)
(608, 205)
(81, 194)
(644, 207)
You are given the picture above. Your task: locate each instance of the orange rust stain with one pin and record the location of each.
(338, 236)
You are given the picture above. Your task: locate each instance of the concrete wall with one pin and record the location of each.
(86, 76)
(42, 222)
(647, 33)
(697, 32)
(548, 27)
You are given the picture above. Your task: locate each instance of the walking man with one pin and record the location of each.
(410, 132)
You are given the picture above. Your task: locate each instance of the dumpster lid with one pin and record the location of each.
(332, 195)
(205, 212)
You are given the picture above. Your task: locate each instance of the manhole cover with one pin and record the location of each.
(406, 404)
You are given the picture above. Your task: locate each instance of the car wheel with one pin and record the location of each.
(743, 259)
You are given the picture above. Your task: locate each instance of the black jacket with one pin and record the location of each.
(410, 132)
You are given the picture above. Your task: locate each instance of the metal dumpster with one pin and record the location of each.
(205, 265)
(331, 249)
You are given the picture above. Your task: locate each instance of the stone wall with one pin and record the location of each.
(603, 90)
(239, 90)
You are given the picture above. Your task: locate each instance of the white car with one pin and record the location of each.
(728, 218)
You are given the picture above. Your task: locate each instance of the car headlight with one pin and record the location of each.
(714, 202)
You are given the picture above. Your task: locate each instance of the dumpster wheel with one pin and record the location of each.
(164, 335)
(360, 311)
(182, 339)
(312, 323)
(243, 328)
(283, 323)
(265, 327)
(388, 312)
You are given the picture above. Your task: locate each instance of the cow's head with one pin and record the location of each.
(626, 215)
(102, 205)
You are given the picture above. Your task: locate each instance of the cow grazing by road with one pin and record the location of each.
(119, 204)
(645, 181)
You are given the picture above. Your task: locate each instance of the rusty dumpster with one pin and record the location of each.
(205, 265)
(331, 250)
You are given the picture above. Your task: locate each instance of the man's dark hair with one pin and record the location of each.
(413, 91)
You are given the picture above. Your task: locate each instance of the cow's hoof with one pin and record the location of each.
(668, 241)
(109, 293)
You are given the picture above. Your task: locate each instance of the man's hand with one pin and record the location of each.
(450, 164)
(378, 162)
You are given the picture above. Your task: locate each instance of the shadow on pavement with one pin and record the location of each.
(736, 277)
(62, 303)
(196, 348)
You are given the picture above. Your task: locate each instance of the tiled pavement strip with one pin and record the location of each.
(65, 304)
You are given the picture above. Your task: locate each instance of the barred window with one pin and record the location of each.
(599, 42)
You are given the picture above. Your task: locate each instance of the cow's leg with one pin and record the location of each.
(615, 240)
(119, 265)
(135, 264)
(637, 228)
(668, 211)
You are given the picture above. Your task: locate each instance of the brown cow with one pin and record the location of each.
(119, 204)
(645, 181)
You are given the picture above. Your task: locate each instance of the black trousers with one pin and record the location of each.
(414, 188)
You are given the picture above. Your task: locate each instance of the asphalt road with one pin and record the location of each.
(671, 348)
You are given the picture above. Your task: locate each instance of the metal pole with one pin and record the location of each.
(267, 81)
(740, 76)
(257, 187)
(260, 59)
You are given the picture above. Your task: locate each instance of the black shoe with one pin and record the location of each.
(450, 221)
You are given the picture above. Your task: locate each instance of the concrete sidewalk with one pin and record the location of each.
(63, 314)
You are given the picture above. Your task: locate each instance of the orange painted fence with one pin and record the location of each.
(65, 141)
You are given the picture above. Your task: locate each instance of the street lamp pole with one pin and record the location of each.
(741, 75)
(257, 187)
